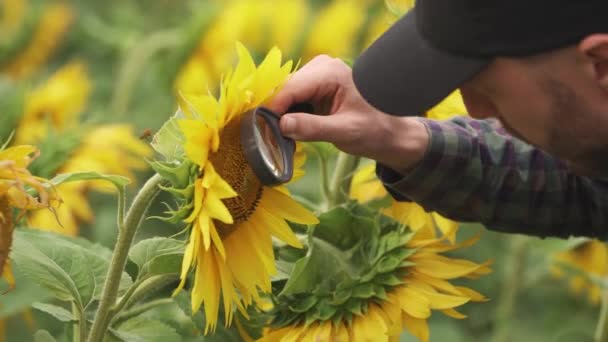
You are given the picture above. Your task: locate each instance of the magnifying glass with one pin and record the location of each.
(268, 152)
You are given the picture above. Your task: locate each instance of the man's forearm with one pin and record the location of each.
(474, 171)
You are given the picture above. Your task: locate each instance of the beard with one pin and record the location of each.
(582, 144)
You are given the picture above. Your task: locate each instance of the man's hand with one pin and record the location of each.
(348, 121)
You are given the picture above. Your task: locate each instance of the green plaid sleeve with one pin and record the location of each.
(474, 170)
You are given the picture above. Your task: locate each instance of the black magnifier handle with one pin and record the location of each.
(301, 107)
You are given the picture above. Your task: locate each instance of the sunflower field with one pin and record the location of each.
(128, 211)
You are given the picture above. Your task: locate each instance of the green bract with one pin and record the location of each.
(355, 255)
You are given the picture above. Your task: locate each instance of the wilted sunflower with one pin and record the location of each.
(584, 265)
(365, 187)
(15, 180)
(48, 33)
(375, 279)
(233, 216)
(53, 110)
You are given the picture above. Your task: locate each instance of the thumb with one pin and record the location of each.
(309, 127)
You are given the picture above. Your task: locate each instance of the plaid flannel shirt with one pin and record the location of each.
(474, 170)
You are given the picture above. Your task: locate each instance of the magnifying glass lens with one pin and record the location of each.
(272, 154)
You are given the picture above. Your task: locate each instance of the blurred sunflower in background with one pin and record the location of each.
(366, 188)
(51, 119)
(30, 41)
(259, 25)
(584, 266)
(335, 30)
(366, 277)
(232, 217)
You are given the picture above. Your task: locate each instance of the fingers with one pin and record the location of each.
(310, 127)
(316, 81)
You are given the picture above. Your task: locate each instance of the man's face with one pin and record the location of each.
(552, 101)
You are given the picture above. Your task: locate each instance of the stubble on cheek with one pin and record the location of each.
(572, 137)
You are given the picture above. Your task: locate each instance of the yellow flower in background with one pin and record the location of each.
(234, 217)
(425, 287)
(15, 179)
(13, 14)
(335, 30)
(55, 104)
(587, 263)
(391, 13)
(449, 107)
(55, 107)
(51, 29)
(107, 149)
(257, 24)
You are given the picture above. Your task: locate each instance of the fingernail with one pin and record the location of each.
(288, 125)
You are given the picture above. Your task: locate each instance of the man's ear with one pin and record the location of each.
(595, 47)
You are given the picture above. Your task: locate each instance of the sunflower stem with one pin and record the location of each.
(511, 286)
(125, 315)
(601, 331)
(346, 165)
(134, 64)
(147, 287)
(126, 233)
(323, 174)
(80, 329)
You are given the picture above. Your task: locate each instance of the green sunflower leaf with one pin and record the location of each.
(119, 181)
(157, 256)
(56, 311)
(43, 336)
(145, 330)
(21, 297)
(64, 266)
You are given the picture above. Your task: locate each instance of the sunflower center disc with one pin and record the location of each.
(230, 163)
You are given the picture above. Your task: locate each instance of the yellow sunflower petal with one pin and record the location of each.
(216, 208)
(413, 303)
(278, 227)
(283, 205)
(417, 327)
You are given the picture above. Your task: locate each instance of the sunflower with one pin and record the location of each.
(15, 179)
(255, 23)
(107, 149)
(365, 188)
(231, 216)
(402, 278)
(53, 109)
(52, 27)
(589, 260)
(13, 14)
(335, 30)
(55, 104)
